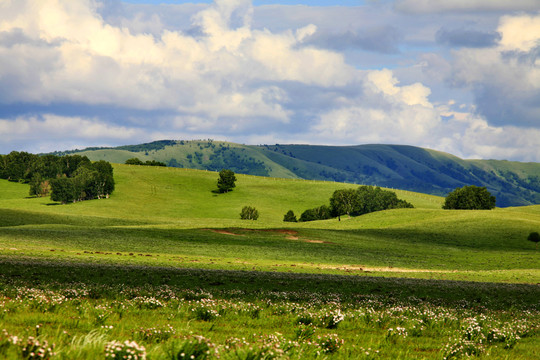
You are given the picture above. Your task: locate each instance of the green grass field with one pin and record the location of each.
(165, 235)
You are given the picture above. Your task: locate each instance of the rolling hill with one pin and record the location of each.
(393, 166)
(167, 253)
(174, 215)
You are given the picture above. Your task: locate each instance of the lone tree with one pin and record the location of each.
(249, 213)
(290, 217)
(343, 202)
(469, 198)
(226, 181)
(534, 237)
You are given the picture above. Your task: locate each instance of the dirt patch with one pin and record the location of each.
(278, 231)
(383, 269)
(290, 234)
(224, 232)
(317, 241)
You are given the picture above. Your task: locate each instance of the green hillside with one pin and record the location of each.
(167, 264)
(168, 211)
(393, 166)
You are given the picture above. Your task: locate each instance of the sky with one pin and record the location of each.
(459, 76)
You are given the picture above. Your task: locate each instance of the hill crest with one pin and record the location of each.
(393, 166)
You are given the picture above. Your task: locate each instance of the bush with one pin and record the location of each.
(469, 198)
(534, 237)
(319, 213)
(249, 213)
(290, 217)
(134, 161)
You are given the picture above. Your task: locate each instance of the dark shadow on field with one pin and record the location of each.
(247, 285)
(10, 217)
(455, 237)
(380, 247)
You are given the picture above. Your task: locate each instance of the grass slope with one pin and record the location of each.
(394, 166)
(168, 214)
(166, 260)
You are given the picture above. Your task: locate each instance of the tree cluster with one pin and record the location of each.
(322, 212)
(137, 161)
(469, 198)
(355, 202)
(67, 178)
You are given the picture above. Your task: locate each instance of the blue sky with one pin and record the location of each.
(456, 76)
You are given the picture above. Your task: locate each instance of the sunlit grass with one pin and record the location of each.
(166, 259)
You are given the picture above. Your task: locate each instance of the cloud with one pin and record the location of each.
(47, 132)
(505, 79)
(467, 38)
(109, 73)
(90, 61)
(383, 39)
(430, 6)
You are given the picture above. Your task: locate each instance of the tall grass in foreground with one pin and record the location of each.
(165, 313)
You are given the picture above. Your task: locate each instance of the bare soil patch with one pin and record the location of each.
(290, 234)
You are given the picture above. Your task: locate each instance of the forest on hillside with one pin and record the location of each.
(67, 178)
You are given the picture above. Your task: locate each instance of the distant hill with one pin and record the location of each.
(393, 166)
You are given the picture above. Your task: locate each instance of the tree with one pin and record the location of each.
(63, 190)
(319, 213)
(534, 237)
(226, 181)
(343, 202)
(469, 198)
(249, 213)
(371, 199)
(154, 163)
(134, 161)
(39, 186)
(105, 179)
(290, 217)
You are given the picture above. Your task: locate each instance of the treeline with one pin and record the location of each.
(68, 178)
(137, 161)
(352, 202)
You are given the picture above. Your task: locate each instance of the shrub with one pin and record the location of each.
(249, 213)
(534, 237)
(134, 161)
(290, 217)
(469, 198)
(319, 213)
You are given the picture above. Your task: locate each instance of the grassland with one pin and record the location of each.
(166, 259)
(404, 167)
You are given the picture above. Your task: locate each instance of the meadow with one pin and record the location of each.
(165, 264)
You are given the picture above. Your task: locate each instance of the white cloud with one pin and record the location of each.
(505, 79)
(221, 76)
(61, 127)
(91, 62)
(520, 32)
